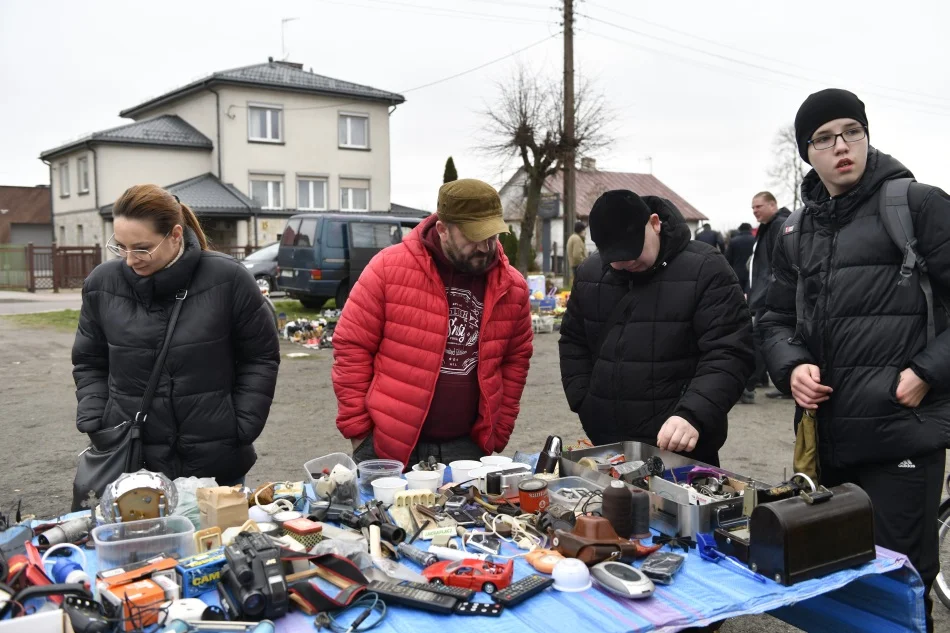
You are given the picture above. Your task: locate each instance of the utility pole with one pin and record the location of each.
(568, 202)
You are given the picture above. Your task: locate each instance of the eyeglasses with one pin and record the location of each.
(137, 253)
(827, 141)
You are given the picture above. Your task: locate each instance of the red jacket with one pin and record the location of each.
(389, 343)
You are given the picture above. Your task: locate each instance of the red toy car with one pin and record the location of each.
(471, 573)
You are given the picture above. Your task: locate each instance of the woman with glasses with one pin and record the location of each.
(217, 381)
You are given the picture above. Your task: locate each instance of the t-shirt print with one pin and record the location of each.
(461, 349)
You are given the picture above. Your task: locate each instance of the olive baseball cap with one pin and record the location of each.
(474, 206)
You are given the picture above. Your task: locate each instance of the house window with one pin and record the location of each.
(354, 131)
(80, 237)
(82, 166)
(312, 194)
(264, 124)
(354, 195)
(268, 193)
(62, 235)
(64, 179)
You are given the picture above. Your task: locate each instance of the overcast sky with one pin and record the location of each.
(698, 87)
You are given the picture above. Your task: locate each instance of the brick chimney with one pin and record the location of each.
(588, 164)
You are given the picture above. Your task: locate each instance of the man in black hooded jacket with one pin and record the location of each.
(860, 355)
(656, 343)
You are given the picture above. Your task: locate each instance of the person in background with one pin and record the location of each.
(738, 253)
(656, 343)
(576, 247)
(860, 358)
(713, 238)
(431, 352)
(770, 218)
(218, 380)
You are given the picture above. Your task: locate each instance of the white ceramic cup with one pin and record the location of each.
(441, 467)
(424, 480)
(385, 488)
(495, 460)
(461, 469)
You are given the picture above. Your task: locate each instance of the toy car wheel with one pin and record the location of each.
(436, 581)
(489, 588)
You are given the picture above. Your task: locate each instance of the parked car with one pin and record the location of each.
(263, 265)
(471, 573)
(321, 255)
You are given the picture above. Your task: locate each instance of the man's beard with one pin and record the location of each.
(474, 264)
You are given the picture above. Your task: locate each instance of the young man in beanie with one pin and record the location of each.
(431, 352)
(859, 355)
(576, 247)
(656, 343)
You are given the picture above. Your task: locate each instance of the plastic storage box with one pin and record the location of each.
(316, 466)
(373, 469)
(119, 544)
(569, 492)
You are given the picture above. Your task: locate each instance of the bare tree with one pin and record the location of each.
(527, 123)
(788, 170)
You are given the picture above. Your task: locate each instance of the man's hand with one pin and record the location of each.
(911, 389)
(677, 435)
(807, 388)
(356, 441)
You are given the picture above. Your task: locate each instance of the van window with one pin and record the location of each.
(335, 234)
(290, 233)
(371, 235)
(305, 235)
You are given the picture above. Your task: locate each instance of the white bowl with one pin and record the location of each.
(462, 468)
(495, 460)
(571, 575)
(424, 480)
(441, 467)
(385, 488)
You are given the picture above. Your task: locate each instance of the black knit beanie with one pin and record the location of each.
(821, 107)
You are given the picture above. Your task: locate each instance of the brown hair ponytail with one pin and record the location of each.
(152, 203)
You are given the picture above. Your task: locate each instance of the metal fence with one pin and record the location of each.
(238, 252)
(32, 268)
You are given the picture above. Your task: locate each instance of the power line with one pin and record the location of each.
(418, 9)
(758, 55)
(748, 64)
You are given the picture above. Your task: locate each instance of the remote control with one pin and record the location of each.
(394, 593)
(456, 592)
(521, 590)
(479, 608)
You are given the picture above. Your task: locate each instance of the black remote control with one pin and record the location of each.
(479, 608)
(521, 590)
(456, 592)
(394, 593)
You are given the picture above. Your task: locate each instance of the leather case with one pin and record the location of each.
(593, 540)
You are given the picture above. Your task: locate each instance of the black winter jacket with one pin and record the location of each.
(765, 240)
(218, 380)
(860, 328)
(684, 347)
(738, 253)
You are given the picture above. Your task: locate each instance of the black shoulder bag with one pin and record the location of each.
(118, 449)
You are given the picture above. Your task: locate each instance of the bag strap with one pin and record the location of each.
(615, 315)
(146, 404)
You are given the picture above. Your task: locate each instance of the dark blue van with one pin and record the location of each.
(321, 255)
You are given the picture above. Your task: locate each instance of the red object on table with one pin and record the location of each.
(471, 573)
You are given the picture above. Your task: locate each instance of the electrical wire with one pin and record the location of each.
(332, 621)
(429, 10)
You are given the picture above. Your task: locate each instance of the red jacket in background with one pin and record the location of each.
(390, 340)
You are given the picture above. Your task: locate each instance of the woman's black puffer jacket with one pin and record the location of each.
(218, 380)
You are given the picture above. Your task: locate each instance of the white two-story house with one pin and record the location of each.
(245, 148)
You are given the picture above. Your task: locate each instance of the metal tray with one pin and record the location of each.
(666, 515)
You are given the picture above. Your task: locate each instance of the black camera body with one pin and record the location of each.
(253, 586)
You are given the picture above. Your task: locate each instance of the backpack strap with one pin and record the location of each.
(791, 233)
(896, 217)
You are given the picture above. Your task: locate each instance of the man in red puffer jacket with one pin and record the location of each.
(432, 350)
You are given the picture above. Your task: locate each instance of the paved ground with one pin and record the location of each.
(40, 442)
(15, 302)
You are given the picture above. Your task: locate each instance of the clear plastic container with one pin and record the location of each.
(374, 469)
(343, 489)
(569, 491)
(119, 544)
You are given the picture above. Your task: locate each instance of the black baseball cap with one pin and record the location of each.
(617, 225)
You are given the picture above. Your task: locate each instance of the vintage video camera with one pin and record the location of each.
(505, 481)
(253, 586)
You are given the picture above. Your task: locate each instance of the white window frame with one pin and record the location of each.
(64, 179)
(271, 110)
(82, 173)
(270, 180)
(310, 181)
(349, 116)
(349, 198)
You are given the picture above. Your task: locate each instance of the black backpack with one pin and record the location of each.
(895, 214)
